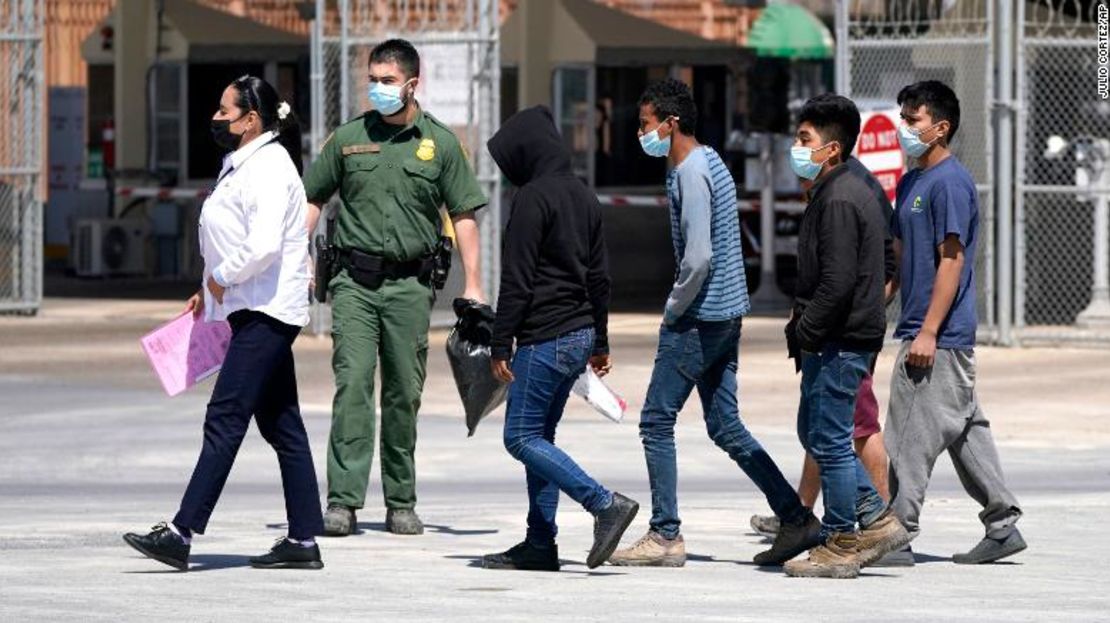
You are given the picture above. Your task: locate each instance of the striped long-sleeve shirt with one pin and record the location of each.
(710, 283)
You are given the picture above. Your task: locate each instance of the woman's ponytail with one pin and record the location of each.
(277, 115)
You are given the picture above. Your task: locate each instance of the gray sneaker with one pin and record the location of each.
(339, 520)
(766, 526)
(609, 527)
(403, 521)
(992, 550)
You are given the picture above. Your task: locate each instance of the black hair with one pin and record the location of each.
(398, 51)
(835, 117)
(258, 95)
(937, 98)
(672, 98)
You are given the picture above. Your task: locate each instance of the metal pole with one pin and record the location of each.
(768, 294)
(843, 54)
(491, 115)
(1097, 314)
(344, 62)
(316, 81)
(1005, 176)
(1019, 156)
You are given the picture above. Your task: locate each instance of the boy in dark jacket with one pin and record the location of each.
(836, 330)
(554, 302)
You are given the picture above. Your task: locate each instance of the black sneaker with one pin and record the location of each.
(791, 540)
(992, 550)
(286, 554)
(609, 527)
(161, 544)
(524, 557)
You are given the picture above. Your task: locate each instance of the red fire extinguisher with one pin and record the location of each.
(108, 144)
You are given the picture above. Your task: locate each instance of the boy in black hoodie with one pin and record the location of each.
(554, 302)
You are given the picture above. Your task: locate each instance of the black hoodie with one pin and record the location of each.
(554, 268)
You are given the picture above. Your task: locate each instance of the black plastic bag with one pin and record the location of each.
(469, 355)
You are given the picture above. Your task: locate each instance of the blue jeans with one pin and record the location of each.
(544, 374)
(830, 382)
(703, 355)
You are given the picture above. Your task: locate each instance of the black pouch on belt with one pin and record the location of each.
(366, 270)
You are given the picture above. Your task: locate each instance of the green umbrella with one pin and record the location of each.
(790, 31)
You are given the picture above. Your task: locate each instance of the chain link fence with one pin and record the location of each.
(21, 157)
(1058, 297)
(888, 44)
(460, 85)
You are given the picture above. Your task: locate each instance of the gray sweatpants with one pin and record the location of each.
(933, 410)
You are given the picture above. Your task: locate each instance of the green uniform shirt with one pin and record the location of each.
(392, 181)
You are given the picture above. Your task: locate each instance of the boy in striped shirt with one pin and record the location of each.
(699, 341)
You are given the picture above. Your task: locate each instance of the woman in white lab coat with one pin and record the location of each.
(255, 247)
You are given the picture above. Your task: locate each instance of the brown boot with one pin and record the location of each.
(885, 535)
(835, 559)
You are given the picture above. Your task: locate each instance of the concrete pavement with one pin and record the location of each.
(91, 448)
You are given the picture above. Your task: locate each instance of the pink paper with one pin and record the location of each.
(185, 351)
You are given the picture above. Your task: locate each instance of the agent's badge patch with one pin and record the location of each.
(427, 150)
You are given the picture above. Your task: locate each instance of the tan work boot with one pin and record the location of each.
(652, 550)
(835, 559)
(886, 535)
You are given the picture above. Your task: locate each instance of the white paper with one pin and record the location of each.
(603, 399)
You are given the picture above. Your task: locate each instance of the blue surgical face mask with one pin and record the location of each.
(653, 145)
(386, 98)
(801, 161)
(910, 140)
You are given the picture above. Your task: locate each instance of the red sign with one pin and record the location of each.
(878, 149)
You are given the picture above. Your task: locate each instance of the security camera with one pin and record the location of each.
(1055, 147)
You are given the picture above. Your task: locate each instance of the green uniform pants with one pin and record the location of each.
(389, 325)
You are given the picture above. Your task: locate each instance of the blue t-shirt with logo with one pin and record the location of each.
(931, 205)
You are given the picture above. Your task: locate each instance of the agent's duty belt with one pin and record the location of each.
(370, 271)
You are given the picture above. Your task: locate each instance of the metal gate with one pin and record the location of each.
(1063, 179)
(460, 85)
(21, 157)
(887, 45)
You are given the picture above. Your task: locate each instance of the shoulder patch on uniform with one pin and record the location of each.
(463, 148)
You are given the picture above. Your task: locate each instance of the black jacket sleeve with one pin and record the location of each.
(523, 236)
(838, 257)
(890, 264)
(598, 284)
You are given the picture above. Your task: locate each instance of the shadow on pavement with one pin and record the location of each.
(199, 562)
(475, 562)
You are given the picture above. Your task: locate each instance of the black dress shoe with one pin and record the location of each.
(524, 557)
(609, 527)
(286, 554)
(161, 544)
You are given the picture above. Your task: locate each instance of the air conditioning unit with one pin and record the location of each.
(107, 247)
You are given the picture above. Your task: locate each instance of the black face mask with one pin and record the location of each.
(223, 136)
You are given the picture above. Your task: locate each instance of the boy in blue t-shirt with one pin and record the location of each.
(933, 405)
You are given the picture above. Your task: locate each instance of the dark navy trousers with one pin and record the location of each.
(257, 380)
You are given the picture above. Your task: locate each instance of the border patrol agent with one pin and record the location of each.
(394, 167)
